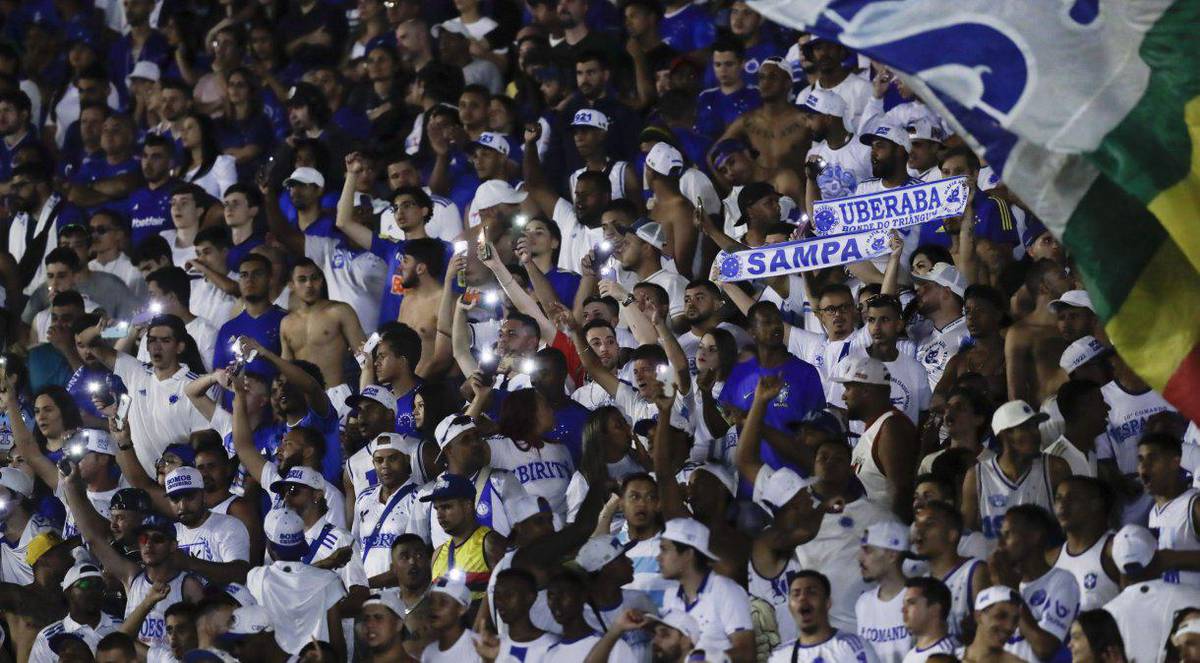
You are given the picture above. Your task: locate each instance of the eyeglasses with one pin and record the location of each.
(153, 538)
(840, 308)
(293, 488)
(89, 583)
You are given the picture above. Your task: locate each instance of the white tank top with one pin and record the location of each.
(1172, 523)
(775, 591)
(958, 582)
(863, 461)
(997, 494)
(616, 179)
(222, 507)
(1095, 587)
(154, 627)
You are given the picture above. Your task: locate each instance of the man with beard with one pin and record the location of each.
(809, 601)
(884, 320)
(444, 222)
(801, 394)
(830, 73)
(937, 534)
(260, 319)
(319, 330)
(882, 458)
(160, 563)
(211, 537)
(382, 512)
(1033, 346)
(381, 627)
(601, 337)
(941, 332)
(836, 163)
(609, 571)
(839, 317)
(373, 415)
(777, 130)
(300, 445)
(925, 135)
(32, 234)
(890, 147)
(83, 587)
(15, 112)
(984, 309)
(642, 253)
(1075, 317)
(471, 549)
(218, 471)
(578, 223)
(702, 303)
(594, 70)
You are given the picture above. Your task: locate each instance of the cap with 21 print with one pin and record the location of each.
(374, 392)
(589, 117)
(883, 127)
(1081, 352)
(492, 141)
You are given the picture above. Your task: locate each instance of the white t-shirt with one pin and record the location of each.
(574, 651)
(1080, 463)
(845, 167)
(122, 267)
(881, 625)
(674, 284)
(1054, 601)
(577, 239)
(722, 608)
(462, 651)
(946, 645)
(353, 277)
(41, 653)
(1144, 613)
(445, 224)
(298, 598)
(180, 255)
(544, 472)
(512, 651)
(211, 303)
(839, 647)
(12, 558)
(160, 413)
(220, 177)
(220, 538)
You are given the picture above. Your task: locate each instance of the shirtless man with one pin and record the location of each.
(664, 166)
(1033, 345)
(317, 329)
(777, 129)
(983, 307)
(421, 271)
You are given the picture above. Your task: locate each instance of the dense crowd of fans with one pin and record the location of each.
(396, 331)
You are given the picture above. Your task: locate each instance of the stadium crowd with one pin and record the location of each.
(396, 330)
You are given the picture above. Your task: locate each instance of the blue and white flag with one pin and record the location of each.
(803, 255)
(892, 209)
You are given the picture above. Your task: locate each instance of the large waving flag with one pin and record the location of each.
(1091, 113)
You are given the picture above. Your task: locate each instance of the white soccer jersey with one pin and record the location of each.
(721, 608)
(324, 539)
(574, 651)
(101, 501)
(839, 647)
(1095, 587)
(543, 472)
(946, 645)
(354, 277)
(998, 494)
(220, 538)
(512, 651)
(160, 414)
(374, 538)
(12, 558)
(616, 179)
(361, 470)
(911, 393)
(1127, 416)
(775, 592)
(881, 625)
(935, 347)
(154, 627)
(601, 618)
(958, 582)
(41, 652)
(1054, 601)
(1172, 522)
(1145, 612)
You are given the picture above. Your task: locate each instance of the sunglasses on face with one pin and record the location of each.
(155, 539)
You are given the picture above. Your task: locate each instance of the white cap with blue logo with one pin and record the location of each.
(882, 126)
(590, 117)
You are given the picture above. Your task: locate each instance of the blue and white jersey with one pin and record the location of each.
(721, 608)
(13, 566)
(544, 472)
(512, 651)
(881, 624)
(774, 590)
(1171, 522)
(41, 652)
(495, 493)
(946, 645)
(1127, 416)
(154, 627)
(373, 538)
(997, 493)
(839, 648)
(601, 618)
(1054, 601)
(220, 538)
(647, 574)
(324, 539)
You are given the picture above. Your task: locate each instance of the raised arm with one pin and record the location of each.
(747, 454)
(542, 289)
(966, 258)
(291, 238)
(243, 436)
(587, 284)
(197, 391)
(639, 323)
(105, 354)
(521, 299)
(591, 363)
(135, 474)
(356, 232)
(540, 192)
(705, 224)
(670, 495)
(24, 443)
(94, 529)
(891, 275)
(675, 354)
(460, 338)
(318, 400)
(443, 353)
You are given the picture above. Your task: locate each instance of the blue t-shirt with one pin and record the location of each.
(689, 29)
(802, 393)
(568, 428)
(406, 423)
(238, 252)
(393, 288)
(565, 285)
(264, 329)
(149, 211)
(715, 110)
(765, 48)
(77, 386)
(993, 221)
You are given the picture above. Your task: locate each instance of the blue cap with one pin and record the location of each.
(157, 524)
(1033, 230)
(727, 148)
(449, 487)
(185, 452)
(824, 421)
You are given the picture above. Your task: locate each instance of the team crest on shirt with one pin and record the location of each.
(781, 399)
(997, 500)
(1089, 581)
(1038, 598)
(482, 509)
(846, 521)
(173, 399)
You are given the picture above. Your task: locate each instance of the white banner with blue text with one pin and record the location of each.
(891, 209)
(801, 255)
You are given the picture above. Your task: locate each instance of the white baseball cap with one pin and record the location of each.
(299, 475)
(526, 507)
(452, 587)
(404, 444)
(305, 175)
(947, 275)
(721, 473)
(881, 126)
(689, 532)
(680, 621)
(79, 572)
(778, 487)
(590, 117)
(1072, 298)
(651, 233)
(145, 70)
(497, 192)
(451, 427)
(824, 102)
(1188, 627)
(183, 479)
(1133, 548)
(1013, 414)
(377, 393)
(988, 178)
(16, 481)
(493, 141)
(92, 439)
(996, 594)
(780, 63)
(889, 535)
(599, 551)
(926, 128)
(663, 159)
(284, 528)
(1082, 351)
(389, 600)
(250, 620)
(863, 370)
